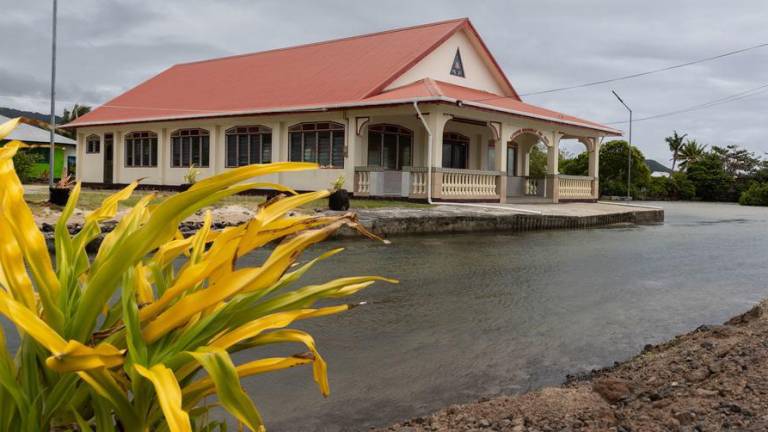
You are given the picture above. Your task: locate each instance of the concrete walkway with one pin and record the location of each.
(501, 217)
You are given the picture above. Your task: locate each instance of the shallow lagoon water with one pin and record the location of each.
(482, 315)
(479, 315)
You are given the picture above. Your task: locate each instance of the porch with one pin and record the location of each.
(473, 159)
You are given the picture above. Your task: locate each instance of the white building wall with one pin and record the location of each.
(437, 65)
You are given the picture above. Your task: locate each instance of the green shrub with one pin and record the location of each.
(24, 162)
(756, 195)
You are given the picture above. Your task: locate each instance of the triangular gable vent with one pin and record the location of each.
(457, 68)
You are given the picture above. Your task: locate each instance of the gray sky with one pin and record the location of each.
(108, 46)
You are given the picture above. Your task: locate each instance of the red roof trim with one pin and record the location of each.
(379, 88)
(493, 60)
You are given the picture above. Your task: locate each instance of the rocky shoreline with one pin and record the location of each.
(714, 378)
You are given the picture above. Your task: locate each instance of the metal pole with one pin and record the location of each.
(52, 152)
(629, 146)
(629, 158)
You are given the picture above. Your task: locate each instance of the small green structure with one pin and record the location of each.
(39, 138)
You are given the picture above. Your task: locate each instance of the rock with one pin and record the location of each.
(685, 418)
(611, 389)
(697, 375)
(705, 393)
(484, 423)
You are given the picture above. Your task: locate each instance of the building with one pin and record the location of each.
(64, 148)
(365, 107)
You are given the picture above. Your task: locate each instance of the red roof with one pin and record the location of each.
(334, 74)
(428, 89)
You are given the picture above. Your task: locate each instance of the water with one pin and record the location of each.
(482, 315)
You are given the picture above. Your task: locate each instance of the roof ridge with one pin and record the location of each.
(361, 36)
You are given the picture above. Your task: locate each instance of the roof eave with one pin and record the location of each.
(364, 104)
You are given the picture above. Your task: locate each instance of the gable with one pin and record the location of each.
(440, 63)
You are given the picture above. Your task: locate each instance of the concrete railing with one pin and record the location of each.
(362, 182)
(468, 183)
(535, 186)
(418, 183)
(575, 187)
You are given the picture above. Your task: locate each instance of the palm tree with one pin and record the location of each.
(675, 143)
(690, 153)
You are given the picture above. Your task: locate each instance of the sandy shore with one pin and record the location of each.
(712, 379)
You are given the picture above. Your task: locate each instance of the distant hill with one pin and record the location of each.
(657, 166)
(12, 113)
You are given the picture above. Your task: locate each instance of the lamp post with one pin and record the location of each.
(51, 151)
(629, 147)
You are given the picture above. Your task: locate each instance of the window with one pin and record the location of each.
(92, 144)
(389, 146)
(455, 150)
(248, 145)
(190, 147)
(141, 149)
(457, 68)
(317, 142)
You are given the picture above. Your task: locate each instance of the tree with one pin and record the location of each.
(71, 115)
(613, 169)
(709, 177)
(691, 152)
(537, 161)
(737, 162)
(76, 111)
(675, 143)
(756, 195)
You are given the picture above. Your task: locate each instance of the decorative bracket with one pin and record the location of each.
(360, 123)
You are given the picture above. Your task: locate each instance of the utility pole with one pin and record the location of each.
(629, 147)
(52, 150)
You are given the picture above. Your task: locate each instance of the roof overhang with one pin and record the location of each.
(607, 131)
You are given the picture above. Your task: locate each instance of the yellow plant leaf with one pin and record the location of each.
(319, 367)
(28, 321)
(269, 322)
(203, 387)
(13, 272)
(8, 126)
(169, 396)
(78, 357)
(31, 241)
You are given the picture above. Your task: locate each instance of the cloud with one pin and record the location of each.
(108, 46)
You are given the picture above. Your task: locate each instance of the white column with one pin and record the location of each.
(164, 155)
(594, 165)
(351, 145)
(553, 154)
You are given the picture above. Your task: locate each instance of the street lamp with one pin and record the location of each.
(51, 151)
(629, 152)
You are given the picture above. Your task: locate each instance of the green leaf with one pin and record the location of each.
(233, 398)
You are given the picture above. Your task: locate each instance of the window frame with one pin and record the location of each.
(203, 136)
(315, 129)
(456, 138)
(142, 137)
(396, 130)
(91, 139)
(248, 131)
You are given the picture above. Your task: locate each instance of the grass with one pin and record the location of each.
(90, 199)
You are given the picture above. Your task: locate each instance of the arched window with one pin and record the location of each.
(190, 147)
(318, 142)
(93, 144)
(141, 149)
(389, 146)
(248, 145)
(455, 150)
